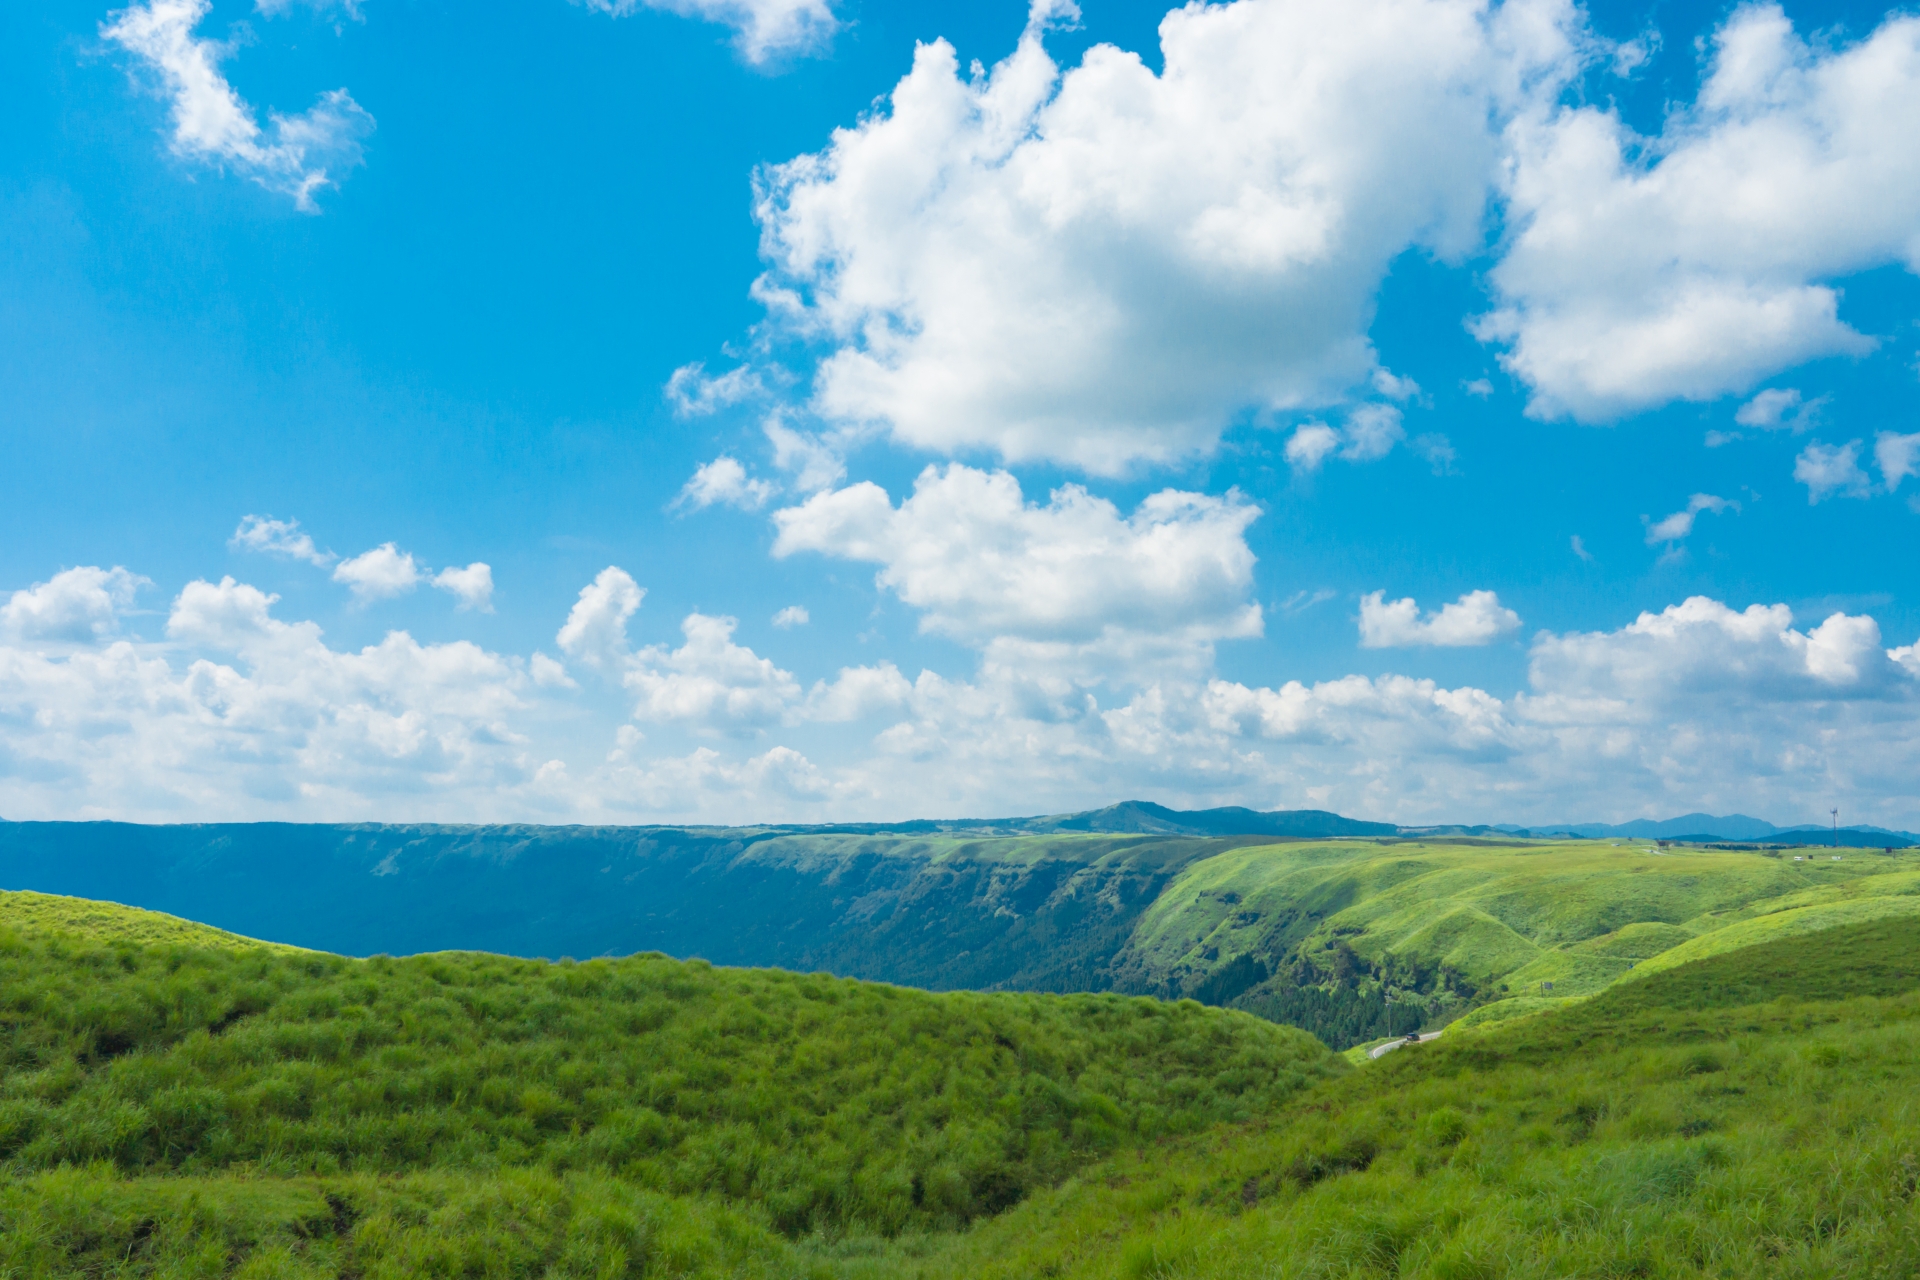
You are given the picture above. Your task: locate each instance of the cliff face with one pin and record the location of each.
(1028, 912)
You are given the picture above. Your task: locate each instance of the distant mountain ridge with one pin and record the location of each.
(1733, 827)
(1143, 817)
(1135, 897)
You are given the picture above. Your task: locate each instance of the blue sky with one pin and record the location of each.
(1099, 407)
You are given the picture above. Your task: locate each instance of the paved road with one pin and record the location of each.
(1391, 1045)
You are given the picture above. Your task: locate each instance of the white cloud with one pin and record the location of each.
(278, 537)
(1310, 444)
(1898, 456)
(710, 682)
(815, 463)
(1697, 705)
(1776, 408)
(1105, 266)
(984, 566)
(471, 586)
(1679, 526)
(1703, 650)
(1703, 265)
(780, 779)
(548, 674)
(1476, 618)
(858, 693)
(1394, 386)
(379, 574)
(278, 8)
(793, 615)
(1829, 469)
(75, 604)
(1436, 450)
(235, 617)
(1370, 433)
(726, 483)
(240, 714)
(693, 394)
(295, 155)
(595, 631)
(763, 29)
(1580, 549)
(1479, 387)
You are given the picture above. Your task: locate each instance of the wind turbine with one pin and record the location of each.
(1836, 827)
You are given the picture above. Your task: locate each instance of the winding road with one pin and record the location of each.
(1382, 1049)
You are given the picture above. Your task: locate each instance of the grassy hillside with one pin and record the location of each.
(1347, 937)
(1318, 934)
(232, 1111)
(28, 912)
(824, 1104)
(1755, 1114)
(943, 909)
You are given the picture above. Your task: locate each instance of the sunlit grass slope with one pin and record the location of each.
(234, 1111)
(814, 1103)
(1317, 933)
(1754, 1114)
(28, 912)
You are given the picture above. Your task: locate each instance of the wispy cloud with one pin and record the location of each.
(764, 30)
(280, 538)
(278, 8)
(693, 393)
(1780, 409)
(1370, 433)
(1827, 469)
(1679, 526)
(1898, 456)
(212, 124)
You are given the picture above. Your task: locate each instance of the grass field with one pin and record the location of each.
(1756, 1114)
(826, 1104)
(1318, 934)
(216, 1108)
(32, 913)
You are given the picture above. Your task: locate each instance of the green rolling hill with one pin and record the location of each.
(1336, 928)
(1752, 1114)
(1319, 934)
(178, 1101)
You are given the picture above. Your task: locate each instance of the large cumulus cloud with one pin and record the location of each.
(1106, 265)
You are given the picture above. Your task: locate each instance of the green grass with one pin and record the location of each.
(1752, 1115)
(1317, 933)
(29, 912)
(227, 1111)
(91, 1222)
(825, 1104)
